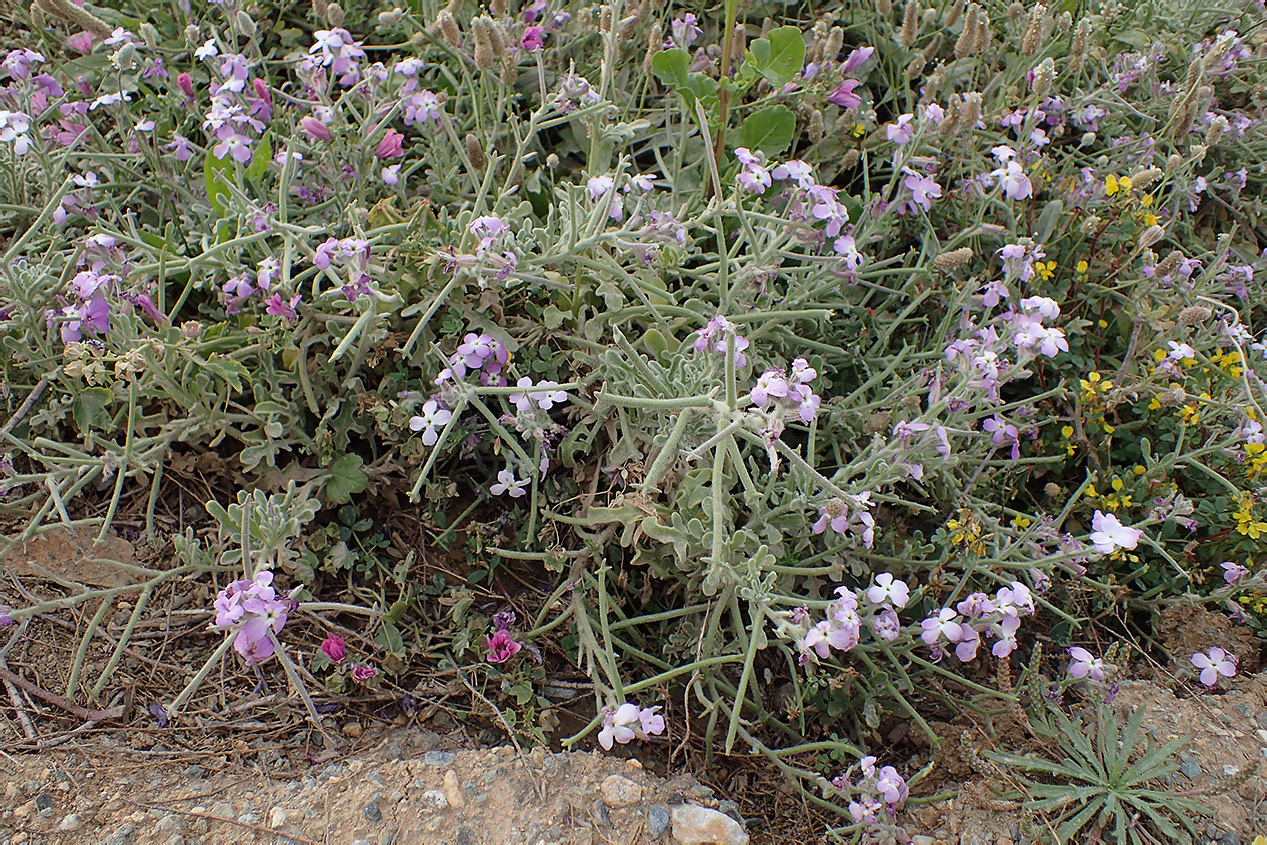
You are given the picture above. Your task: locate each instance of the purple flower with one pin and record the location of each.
(902, 131)
(887, 589)
(924, 189)
(501, 646)
(1003, 432)
(1085, 665)
(1234, 573)
(1109, 535)
(685, 30)
(315, 129)
(855, 59)
(1217, 662)
(5, 619)
(713, 338)
(362, 674)
(238, 146)
(844, 95)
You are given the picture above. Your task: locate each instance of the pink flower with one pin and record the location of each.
(186, 85)
(80, 42)
(315, 129)
(362, 674)
(334, 648)
(1085, 665)
(1234, 573)
(392, 145)
(1109, 535)
(1217, 662)
(501, 646)
(279, 307)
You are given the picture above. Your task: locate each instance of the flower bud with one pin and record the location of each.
(948, 262)
(910, 24)
(335, 15)
(124, 58)
(245, 24)
(1194, 315)
(482, 33)
(475, 151)
(1044, 77)
(391, 18)
(448, 29)
(149, 35)
(1151, 235)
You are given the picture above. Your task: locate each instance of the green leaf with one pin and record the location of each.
(90, 407)
(390, 639)
(672, 67)
(780, 56)
(346, 478)
(219, 174)
(260, 158)
(770, 130)
(228, 369)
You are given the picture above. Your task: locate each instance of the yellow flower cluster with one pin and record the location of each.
(1245, 522)
(965, 531)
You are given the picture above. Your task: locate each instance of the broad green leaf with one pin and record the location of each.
(260, 158)
(346, 478)
(390, 639)
(90, 407)
(770, 130)
(671, 67)
(780, 56)
(218, 173)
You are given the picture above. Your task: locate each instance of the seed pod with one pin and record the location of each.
(319, 8)
(949, 262)
(150, 35)
(985, 36)
(816, 129)
(1051, 489)
(1080, 43)
(1032, 40)
(1015, 11)
(971, 110)
(629, 25)
(766, 26)
(334, 14)
(1174, 161)
(1091, 226)
(850, 161)
(1141, 179)
(449, 29)
(915, 68)
(605, 19)
(499, 39)
(483, 37)
(1218, 127)
(953, 13)
(910, 24)
(835, 42)
(77, 15)
(738, 43)
(1194, 315)
(1065, 21)
(391, 18)
(497, 7)
(655, 43)
(949, 125)
(884, 7)
(475, 151)
(1168, 264)
(968, 38)
(37, 16)
(1044, 77)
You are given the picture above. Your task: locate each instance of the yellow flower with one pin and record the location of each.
(1150, 219)
(1021, 521)
(1110, 185)
(1045, 269)
(1081, 267)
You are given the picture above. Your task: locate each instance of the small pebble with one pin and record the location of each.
(620, 791)
(1261, 718)
(1229, 839)
(71, 823)
(464, 837)
(195, 772)
(353, 729)
(600, 813)
(658, 820)
(433, 799)
(372, 813)
(277, 817)
(171, 823)
(1190, 768)
(439, 758)
(125, 835)
(453, 790)
(695, 825)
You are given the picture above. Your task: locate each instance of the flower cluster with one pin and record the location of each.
(501, 645)
(715, 336)
(880, 791)
(627, 722)
(334, 648)
(788, 391)
(964, 625)
(846, 616)
(351, 254)
(849, 517)
(477, 352)
(251, 608)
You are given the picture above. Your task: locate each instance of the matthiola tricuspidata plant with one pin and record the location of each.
(821, 372)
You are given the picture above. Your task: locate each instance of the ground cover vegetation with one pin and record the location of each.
(788, 374)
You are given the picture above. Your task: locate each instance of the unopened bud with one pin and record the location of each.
(1151, 235)
(124, 58)
(482, 33)
(835, 43)
(1044, 77)
(1051, 489)
(475, 151)
(334, 14)
(1194, 315)
(948, 262)
(191, 329)
(850, 161)
(1087, 139)
(391, 18)
(1141, 179)
(816, 129)
(910, 24)
(149, 35)
(245, 24)
(1091, 226)
(449, 29)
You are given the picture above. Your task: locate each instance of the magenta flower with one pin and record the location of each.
(533, 39)
(186, 85)
(856, 59)
(279, 307)
(924, 189)
(392, 145)
(1085, 665)
(80, 42)
(362, 674)
(432, 418)
(1233, 573)
(1217, 662)
(334, 648)
(501, 646)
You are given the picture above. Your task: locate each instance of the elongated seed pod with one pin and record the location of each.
(953, 13)
(968, 37)
(910, 24)
(483, 37)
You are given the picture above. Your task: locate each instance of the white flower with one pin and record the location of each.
(507, 483)
(1180, 351)
(1109, 534)
(432, 418)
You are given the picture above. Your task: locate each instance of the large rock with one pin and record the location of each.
(695, 825)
